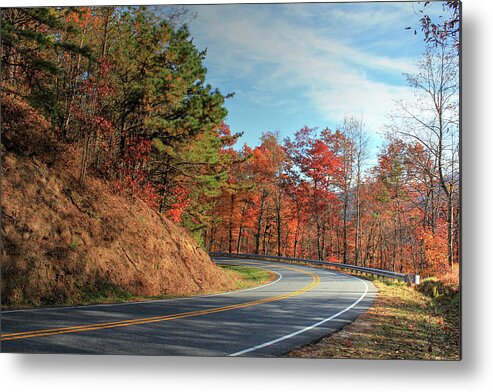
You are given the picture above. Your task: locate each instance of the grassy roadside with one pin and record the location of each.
(403, 323)
(106, 293)
(248, 277)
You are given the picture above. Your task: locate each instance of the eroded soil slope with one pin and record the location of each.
(61, 242)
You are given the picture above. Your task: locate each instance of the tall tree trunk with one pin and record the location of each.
(297, 232)
(85, 158)
(324, 231)
(71, 93)
(264, 241)
(104, 44)
(278, 211)
(319, 234)
(259, 222)
(240, 231)
(230, 234)
(357, 236)
(450, 232)
(211, 238)
(344, 234)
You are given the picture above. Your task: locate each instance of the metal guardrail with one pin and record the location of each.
(408, 278)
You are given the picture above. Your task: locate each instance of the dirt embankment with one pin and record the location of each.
(61, 242)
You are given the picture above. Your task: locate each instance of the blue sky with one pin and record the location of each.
(291, 65)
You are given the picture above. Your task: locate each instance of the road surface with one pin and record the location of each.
(300, 306)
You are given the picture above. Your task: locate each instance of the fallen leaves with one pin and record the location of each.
(401, 324)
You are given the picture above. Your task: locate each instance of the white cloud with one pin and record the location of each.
(363, 16)
(277, 54)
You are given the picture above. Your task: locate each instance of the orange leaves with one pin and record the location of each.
(82, 17)
(434, 245)
(182, 200)
(135, 183)
(303, 203)
(321, 163)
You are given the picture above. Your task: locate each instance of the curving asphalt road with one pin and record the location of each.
(302, 305)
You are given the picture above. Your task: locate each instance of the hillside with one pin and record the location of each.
(62, 242)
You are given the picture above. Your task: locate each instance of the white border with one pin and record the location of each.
(49, 373)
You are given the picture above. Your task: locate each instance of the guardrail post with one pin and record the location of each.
(412, 279)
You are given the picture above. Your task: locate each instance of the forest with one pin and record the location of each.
(128, 87)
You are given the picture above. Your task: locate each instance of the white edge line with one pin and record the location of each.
(153, 301)
(247, 350)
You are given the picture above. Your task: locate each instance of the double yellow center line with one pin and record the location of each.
(124, 323)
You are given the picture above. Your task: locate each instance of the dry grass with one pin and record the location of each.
(402, 324)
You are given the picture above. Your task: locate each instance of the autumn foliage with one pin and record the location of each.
(128, 89)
